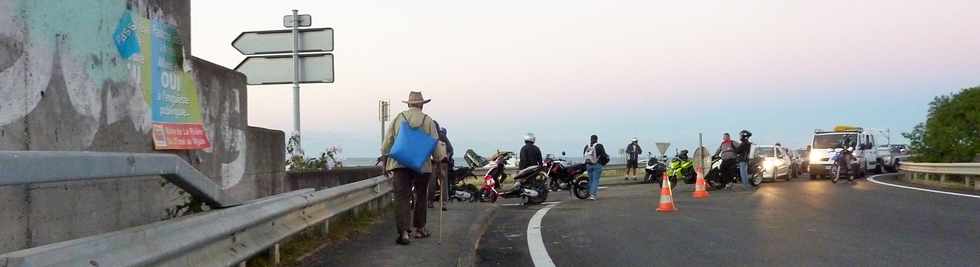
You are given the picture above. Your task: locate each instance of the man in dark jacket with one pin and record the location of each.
(633, 151)
(742, 152)
(530, 153)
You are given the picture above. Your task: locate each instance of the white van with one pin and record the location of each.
(824, 143)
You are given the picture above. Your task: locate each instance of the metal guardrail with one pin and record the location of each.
(29, 167)
(942, 168)
(219, 238)
(970, 172)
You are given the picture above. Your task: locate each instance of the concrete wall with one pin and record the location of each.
(64, 86)
(319, 179)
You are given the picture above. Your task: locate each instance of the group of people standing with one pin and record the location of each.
(411, 221)
(594, 154)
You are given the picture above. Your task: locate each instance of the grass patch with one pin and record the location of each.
(342, 228)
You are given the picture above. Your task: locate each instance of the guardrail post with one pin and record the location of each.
(274, 255)
(325, 227)
(942, 178)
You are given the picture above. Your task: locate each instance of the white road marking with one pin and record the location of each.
(872, 179)
(535, 244)
(603, 187)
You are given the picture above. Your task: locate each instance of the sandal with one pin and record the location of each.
(403, 239)
(421, 233)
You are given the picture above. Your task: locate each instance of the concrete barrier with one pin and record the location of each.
(66, 88)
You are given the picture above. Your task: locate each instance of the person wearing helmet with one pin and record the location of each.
(742, 155)
(633, 151)
(530, 154)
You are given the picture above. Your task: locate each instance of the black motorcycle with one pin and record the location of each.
(654, 171)
(531, 184)
(722, 174)
(568, 178)
(459, 191)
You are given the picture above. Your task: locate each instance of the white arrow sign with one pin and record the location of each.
(314, 68)
(281, 41)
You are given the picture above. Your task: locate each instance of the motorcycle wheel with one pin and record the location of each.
(541, 186)
(836, 175)
(581, 188)
(756, 180)
(488, 196)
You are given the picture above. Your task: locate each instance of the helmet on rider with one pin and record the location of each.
(529, 138)
(745, 134)
(682, 155)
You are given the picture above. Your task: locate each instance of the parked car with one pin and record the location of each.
(776, 162)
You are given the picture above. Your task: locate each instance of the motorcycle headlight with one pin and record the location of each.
(769, 163)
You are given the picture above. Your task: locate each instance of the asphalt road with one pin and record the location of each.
(795, 223)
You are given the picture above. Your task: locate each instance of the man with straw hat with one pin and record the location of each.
(404, 178)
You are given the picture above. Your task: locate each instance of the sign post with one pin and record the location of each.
(263, 67)
(299, 139)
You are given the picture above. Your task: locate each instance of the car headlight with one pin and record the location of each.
(814, 157)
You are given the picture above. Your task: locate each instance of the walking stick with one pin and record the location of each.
(442, 199)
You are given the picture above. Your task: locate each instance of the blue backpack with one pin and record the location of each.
(412, 147)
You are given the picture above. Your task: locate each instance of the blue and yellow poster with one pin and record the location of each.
(172, 95)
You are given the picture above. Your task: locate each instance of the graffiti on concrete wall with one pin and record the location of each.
(91, 80)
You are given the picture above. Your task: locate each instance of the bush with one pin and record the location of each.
(951, 132)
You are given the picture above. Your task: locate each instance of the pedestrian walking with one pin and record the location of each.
(595, 158)
(742, 153)
(411, 165)
(633, 151)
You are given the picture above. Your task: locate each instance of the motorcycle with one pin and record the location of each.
(719, 178)
(567, 178)
(531, 184)
(654, 171)
(843, 164)
(457, 190)
(681, 167)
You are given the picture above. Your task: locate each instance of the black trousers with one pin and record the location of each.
(405, 181)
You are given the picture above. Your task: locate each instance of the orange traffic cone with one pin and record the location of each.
(700, 190)
(666, 197)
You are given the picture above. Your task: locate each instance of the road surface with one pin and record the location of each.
(795, 223)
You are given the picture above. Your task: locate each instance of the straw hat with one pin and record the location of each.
(416, 98)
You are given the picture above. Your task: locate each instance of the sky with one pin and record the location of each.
(661, 71)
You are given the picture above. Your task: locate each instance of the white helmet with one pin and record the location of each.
(635, 140)
(529, 137)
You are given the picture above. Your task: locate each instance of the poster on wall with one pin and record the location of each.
(157, 51)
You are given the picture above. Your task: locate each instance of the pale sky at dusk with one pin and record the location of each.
(656, 70)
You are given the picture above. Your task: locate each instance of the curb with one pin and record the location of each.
(476, 231)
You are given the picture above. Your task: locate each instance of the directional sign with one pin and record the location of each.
(281, 41)
(305, 20)
(314, 68)
(663, 148)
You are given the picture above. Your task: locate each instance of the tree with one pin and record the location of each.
(951, 132)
